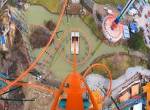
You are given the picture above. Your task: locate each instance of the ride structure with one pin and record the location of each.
(147, 91)
(2, 3)
(123, 12)
(73, 94)
(112, 26)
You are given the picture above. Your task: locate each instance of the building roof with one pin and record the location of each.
(126, 32)
(76, 34)
(75, 1)
(2, 39)
(138, 106)
(124, 97)
(2, 75)
(74, 9)
(133, 27)
(135, 90)
(120, 7)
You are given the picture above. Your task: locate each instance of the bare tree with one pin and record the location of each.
(50, 25)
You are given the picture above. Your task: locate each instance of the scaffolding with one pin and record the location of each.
(18, 17)
(2, 3)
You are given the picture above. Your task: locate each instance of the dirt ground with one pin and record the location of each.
(42, 101)
(13, 62)
(119, 63)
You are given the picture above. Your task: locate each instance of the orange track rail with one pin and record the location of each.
(74, 93)
(36, 86)
(107, 71)
(44, 88)
(26, 72)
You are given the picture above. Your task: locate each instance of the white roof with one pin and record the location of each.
(137, 106)
(133, 11)
(76, 34)
(75, 1)
(110, 11)
(126, 31)
(105, 8)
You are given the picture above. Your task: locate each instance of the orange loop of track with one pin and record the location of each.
(105, 68)
(58, 93)
(26, 72)
(95, 106)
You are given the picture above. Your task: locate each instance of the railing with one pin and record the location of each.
(128, 82)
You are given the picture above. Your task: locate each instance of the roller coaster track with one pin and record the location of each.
(32, 85)
(17, 81)
(106, 70)
(26, 72)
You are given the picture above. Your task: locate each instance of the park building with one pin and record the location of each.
(130, 91)
(75, 1)
(7, 31)
(74, 7)
(75, 42)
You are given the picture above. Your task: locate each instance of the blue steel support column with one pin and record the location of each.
(126, 8)
(123, 12)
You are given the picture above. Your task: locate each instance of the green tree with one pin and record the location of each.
(136, 42)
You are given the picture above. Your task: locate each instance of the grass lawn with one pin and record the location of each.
(51, 5)
(89, 20)
(113, 2)
(59, 65)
